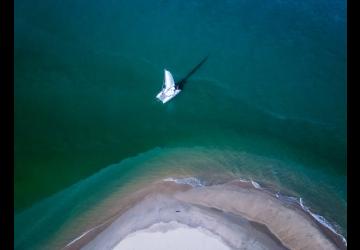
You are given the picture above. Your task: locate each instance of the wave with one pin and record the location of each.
(298, 201)
(322, 221)
(192, 181)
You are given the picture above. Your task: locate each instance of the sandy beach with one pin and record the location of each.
(235, 215)
(173, 235)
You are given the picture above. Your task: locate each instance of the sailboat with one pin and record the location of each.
(169, 90)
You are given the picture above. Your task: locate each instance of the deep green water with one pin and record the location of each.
(86, 76)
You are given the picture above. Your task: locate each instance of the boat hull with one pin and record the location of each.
(165, 97)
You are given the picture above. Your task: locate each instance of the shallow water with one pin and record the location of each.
(86, 76)
(90, 202)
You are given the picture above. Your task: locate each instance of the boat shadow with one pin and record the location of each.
(181, 83)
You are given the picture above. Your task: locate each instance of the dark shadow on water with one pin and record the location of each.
(180, 84)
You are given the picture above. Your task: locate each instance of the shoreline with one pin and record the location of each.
(220, 202)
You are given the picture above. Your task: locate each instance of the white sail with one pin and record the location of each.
(168, 80)
(168, 91)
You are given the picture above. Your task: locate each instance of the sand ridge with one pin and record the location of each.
(232, 212)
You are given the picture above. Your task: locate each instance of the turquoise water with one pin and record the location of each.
(86, 76)
(64, 211)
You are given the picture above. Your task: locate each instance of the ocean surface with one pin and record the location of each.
(268, 104)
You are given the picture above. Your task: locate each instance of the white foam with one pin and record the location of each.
(85, 233)
(192, 181)
(255, 184)
(243, 180)
(322, 221)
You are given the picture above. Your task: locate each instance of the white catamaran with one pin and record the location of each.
(169, 90)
